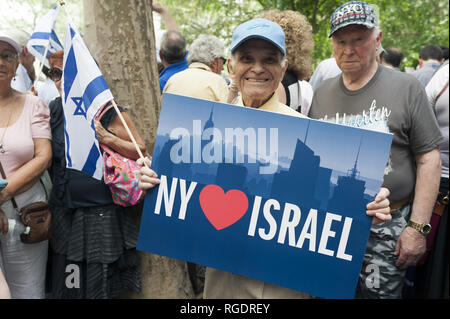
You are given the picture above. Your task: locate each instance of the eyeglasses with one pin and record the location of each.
(8, 56)
(55, 74)
(224, 61)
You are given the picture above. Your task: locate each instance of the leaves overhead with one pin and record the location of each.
(407, 25)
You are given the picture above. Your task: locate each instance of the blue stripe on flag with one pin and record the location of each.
(91, 163)
(66, 134)
(41, 50)
(94, 88)
(70, 72)
(54, 37)
(40, 35)
(72, 33)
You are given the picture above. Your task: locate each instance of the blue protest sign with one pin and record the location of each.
(272, 197)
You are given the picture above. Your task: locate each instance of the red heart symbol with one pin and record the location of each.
(223, 210)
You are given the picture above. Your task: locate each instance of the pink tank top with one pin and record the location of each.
(34, 122)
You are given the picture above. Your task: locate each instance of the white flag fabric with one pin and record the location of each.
(44, 36)
(84, 92)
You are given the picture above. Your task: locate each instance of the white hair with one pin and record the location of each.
(376, 32)
(205, 49)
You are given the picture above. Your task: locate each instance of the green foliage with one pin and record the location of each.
(218, 17)
(407, 25)
(410, 25)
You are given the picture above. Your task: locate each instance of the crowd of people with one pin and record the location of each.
(270, 68)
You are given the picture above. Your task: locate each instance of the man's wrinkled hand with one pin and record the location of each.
(411, 245)
(147, 177)
(379, 208)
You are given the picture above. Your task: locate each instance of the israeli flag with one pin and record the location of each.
(44, 37)
(84, 92)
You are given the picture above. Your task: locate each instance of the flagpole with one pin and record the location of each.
(116, 108)
(128, 131)
(42, 63)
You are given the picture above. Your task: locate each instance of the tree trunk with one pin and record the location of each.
(120, 36)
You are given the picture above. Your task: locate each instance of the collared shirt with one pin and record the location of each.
(326, 69)
(273, 105)
(425, 73)
(198, 81)
(170, 70)
(222, 284)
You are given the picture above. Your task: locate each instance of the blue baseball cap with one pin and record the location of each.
(258, 28)
(353, 12)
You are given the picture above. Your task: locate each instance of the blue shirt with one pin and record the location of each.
(170, 70)
(425, 73)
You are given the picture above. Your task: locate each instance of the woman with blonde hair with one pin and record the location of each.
(294, 90)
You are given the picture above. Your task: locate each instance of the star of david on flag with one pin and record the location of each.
(44, 37)
(84, 92)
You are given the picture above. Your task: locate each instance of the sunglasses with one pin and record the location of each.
(55, 74)
(224, 61)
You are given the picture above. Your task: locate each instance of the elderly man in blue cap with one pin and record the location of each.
(369, 95)
(257, 66)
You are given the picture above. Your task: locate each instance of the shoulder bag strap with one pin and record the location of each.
(103, 111)
(440, 93)
(13, 201)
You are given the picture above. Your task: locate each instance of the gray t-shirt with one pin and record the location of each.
(392, 102)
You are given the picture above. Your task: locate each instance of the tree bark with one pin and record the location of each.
(120, 36)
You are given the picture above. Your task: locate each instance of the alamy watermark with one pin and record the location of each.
(233, 145)
(373, 279)
(73, 277)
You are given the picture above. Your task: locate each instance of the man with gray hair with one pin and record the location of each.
(369, 95)
(173, 56)
(202, 79)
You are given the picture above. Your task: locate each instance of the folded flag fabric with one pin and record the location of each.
(44, 37)
(84, 92)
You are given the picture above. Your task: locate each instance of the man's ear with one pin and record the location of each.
(285, 67)
(230, 66)
(420, 62)
(163, 60)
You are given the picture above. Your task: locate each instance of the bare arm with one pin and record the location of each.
(27, 60)
(27, 175)
(119, 141)
(4, 290)
(169, 21)
(411, 244)
(427, 185)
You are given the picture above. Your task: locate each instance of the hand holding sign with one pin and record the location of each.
(147, 177)
(379, 208)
